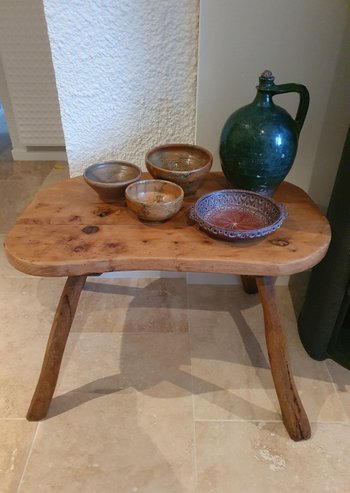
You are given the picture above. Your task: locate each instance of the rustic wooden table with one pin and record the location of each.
(68, 231)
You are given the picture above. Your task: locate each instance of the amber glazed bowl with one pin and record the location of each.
(184, 164)
(110, 179)
(154, 200)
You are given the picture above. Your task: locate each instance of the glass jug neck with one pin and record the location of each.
(263, 98)
(265, 89)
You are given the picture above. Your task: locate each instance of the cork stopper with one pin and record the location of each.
(267, 75)
(266, 80)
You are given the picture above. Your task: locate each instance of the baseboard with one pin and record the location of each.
(141, 274)
(220, 279)
(191, 277)
(38, 154)
(216, 279)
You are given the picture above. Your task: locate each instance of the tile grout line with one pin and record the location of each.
(27, 460)
(192, 396)
(322, 422)
(234, 420)
(330, 376)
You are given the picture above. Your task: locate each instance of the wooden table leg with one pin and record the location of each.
(249, 284)
(61, 325)
(293, 413)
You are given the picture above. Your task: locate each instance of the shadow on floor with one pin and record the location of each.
(297, 287)
(142, 376)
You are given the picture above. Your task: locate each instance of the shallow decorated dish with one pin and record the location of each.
(238, 214)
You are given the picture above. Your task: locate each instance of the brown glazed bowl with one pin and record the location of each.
(184, 164)
(154, 200)
(110, 179)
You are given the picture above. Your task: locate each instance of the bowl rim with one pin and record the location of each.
(174, 185)
(112, 183)
(208, 164)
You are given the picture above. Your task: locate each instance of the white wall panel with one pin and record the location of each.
(27, 66)
(300, 41)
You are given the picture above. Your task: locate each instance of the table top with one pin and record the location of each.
(68, 231)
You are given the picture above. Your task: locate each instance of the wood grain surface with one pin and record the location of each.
(56, 344)
(293, 413)
(68, 231)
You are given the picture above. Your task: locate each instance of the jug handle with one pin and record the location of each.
(304, 99)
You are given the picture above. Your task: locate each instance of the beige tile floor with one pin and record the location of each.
(165, 387)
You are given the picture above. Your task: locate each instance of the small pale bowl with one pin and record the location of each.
(184, 164)
(110, 179)
(154, 200)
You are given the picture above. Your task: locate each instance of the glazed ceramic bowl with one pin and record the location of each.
(154, 200)
(184, 164)
(110, 179)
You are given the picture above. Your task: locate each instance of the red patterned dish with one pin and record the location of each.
(238, 214)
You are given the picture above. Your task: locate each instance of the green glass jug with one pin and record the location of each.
(259, 142)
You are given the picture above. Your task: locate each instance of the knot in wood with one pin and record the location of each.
(75, 218)
(279, 242)
(103, 212)
(88, 230)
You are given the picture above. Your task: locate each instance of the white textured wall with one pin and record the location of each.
(126, 75)
(300, 41)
